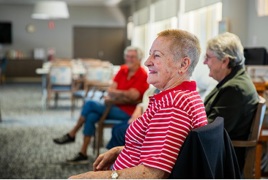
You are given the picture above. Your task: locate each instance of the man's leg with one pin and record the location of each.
(85, 145)
(92, 117)
(78, 125)
(70, 136)
(118, 135)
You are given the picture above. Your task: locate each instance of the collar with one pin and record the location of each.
(184, 86)
(230, 76)
(126, 70)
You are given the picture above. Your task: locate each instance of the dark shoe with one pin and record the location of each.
(64, 139)
(78, 159)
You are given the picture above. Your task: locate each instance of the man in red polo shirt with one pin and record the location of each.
(128, 85)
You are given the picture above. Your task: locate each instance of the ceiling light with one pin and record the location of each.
(50, 10)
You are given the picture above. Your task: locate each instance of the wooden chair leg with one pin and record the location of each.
(0, 114)
(99, 139)
(94, 144)
(72, 104)
(258, 160)
(56, 99)
(48, 99)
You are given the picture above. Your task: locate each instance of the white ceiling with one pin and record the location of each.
(69, 2)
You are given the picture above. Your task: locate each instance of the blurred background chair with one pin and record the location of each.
(60, 80)
(3, 65)
(207, 153)
(97, 79)
(0, 113)
(252, 159)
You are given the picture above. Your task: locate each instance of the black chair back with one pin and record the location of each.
(207, 153)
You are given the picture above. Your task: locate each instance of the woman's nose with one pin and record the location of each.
(147, 62)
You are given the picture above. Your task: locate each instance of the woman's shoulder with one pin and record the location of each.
(239, 83)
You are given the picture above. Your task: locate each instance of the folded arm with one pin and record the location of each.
(123, 96)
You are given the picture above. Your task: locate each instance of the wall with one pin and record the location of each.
(236, 12)
(257, 27)
(60, 37)
(244, 22)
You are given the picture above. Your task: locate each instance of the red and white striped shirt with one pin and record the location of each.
(155, 138)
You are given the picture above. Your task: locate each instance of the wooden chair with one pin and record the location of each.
(3, 66)
(60, 80)
(258, 166)
(0, 113)
(107, 123)
(260, 87)
(251, 143)
(98, 77)
(259, 155)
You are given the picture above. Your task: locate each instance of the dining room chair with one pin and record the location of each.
(3, 66)
(60, 80)
(207, 153)
(263, 138)
(252, 162)
(97, 79)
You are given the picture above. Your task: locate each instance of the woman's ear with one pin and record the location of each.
(184, 65)
(225, 62)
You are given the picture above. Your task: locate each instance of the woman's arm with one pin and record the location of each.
(138, 172)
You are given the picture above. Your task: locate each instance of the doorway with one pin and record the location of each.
(103, 43)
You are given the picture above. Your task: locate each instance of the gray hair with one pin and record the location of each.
(133, 48)
(227, 45)
(184, 44)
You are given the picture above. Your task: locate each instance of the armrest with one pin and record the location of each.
(244, 143)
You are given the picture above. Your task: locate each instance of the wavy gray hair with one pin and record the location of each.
(227, 45)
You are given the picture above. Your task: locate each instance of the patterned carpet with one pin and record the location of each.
(26, 133)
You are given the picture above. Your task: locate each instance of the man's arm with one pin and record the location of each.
(123, 96)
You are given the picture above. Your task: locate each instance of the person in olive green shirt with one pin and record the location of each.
(235, 97)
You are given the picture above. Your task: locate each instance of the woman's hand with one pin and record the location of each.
(106, 160)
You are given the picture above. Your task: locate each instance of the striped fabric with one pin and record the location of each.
(156, 137)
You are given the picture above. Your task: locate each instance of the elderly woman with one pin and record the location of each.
(234, 98)
(153, 140)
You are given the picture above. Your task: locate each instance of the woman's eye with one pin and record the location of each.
(156, 55)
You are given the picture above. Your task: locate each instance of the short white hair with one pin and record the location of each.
(133, 48)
